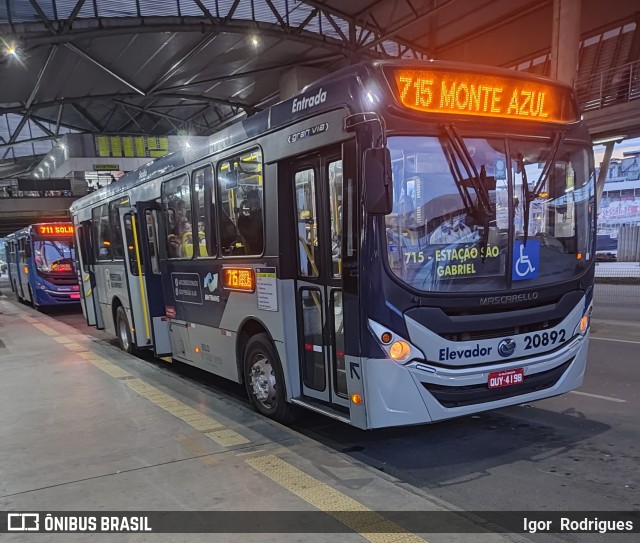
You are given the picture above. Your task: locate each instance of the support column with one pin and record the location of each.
(604, 168)
(565, 40)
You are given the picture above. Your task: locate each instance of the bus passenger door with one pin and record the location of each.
(317, 181)
(86, 277)
(135, 278)
(147, 218)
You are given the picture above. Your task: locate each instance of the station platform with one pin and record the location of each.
(87, 427)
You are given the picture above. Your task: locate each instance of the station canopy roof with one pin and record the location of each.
(193, 66)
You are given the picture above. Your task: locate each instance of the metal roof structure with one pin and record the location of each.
(193, 66)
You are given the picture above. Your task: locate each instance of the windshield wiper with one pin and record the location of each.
(475, 179)
(529, 195)
(457, 177)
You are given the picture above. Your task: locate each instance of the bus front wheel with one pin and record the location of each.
(124, 331)
(34, 303)
(264, 380)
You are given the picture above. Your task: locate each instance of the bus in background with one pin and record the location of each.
(401, 243)
(42, 269)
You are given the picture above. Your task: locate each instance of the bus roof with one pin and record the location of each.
(337, 89)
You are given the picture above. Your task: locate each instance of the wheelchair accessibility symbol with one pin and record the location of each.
(526, 260)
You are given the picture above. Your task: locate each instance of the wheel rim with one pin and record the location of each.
(262, 380)
(124, 336)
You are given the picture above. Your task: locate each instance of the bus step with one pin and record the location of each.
(322, 409)
(166, 359)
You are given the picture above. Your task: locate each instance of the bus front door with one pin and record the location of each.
(317, 186)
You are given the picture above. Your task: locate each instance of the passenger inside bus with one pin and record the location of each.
(202, 238)
(250, 222)
(180, 237)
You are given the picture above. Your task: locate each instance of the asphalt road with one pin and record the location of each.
(579, 451)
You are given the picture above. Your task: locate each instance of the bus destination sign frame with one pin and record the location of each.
(482, 95)
(55, 230)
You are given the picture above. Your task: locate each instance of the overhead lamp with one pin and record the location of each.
(254, 40)
(11, 50)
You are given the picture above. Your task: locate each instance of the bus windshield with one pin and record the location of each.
(54, 256)
(476, 214)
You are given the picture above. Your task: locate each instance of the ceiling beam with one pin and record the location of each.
(151, 112)
(202, 44)
(86, 29)
(59, 119)
(87, 116)
(72, 15)
(367, 26)
(112, 96)
(227, 77)
(99, 64)
(36, 87)
(388, 34)
(45, 20)
(11, 144)
(42, 127)
(14, 136)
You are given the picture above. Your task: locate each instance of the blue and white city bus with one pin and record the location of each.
(41, 261)
(401, 243)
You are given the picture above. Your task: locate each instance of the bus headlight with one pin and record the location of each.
(399, 350)
(395, 346)
(583, 325)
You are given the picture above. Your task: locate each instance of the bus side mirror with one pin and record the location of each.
(377, 181)
(27, 249)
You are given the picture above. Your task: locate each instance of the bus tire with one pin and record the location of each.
(15, 289)
(123, 330)
(34, 304)
(264, 380)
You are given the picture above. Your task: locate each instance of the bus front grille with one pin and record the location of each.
(62, 281)
(502, 332)
(475, 394)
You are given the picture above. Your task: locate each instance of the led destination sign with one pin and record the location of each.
(241, 279)
(474, 94)
(55, 230)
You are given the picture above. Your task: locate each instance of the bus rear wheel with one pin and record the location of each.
(124, 331)
(264, 380)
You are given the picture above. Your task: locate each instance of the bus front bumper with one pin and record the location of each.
(419, 393)
(51, 297)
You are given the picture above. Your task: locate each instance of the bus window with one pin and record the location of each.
(102, 232)
(151, 222)
(176, 204)
(132, 254)
(307, 223)
(117, 246)
(335, 204)
(240, 214)
(203, 205)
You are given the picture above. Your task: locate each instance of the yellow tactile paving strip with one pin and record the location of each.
(44, 328)
(214, 430)
(346, 510)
